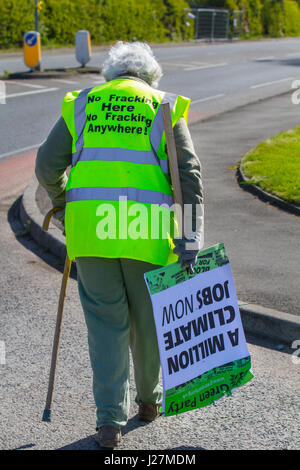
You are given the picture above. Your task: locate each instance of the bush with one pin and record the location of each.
(15, 19)
(144, 20)
(62, 18)
(132, 20)
(292, 18)
(272, 18)
(175, 20)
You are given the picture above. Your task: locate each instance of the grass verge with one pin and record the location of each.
(274, 165)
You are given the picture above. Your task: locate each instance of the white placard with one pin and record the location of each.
(198, 326)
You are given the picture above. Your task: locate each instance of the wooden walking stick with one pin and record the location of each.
(55, 347)
(173, 163)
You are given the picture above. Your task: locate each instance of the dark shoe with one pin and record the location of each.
(148, 412)
(109, 436)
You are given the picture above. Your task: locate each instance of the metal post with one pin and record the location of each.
(36, 15)
(227, 25)
(213, 25)
(36, 26)
(196, 24)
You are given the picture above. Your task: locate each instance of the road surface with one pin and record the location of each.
(261, 415)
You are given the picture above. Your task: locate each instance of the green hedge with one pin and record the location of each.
(273, 18)
(144, 20)
(292, 18)
(132, 20)
(16, 17)
(107, 20)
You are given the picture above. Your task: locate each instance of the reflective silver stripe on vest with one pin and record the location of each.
(164, 165)
(105, 154)
(113, 194)
(80, 119)
(157, 127)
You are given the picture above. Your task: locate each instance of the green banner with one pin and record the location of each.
(207, 388)
(168, 276)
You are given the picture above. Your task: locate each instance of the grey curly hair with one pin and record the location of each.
(136, 59)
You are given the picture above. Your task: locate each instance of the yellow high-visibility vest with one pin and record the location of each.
(119, 194)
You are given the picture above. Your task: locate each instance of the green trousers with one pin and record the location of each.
(119, 317)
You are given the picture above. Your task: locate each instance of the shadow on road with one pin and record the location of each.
(294, 62)
(25, 446)
(267, 343)
(26, 240)
(291, 62)
(88, 443)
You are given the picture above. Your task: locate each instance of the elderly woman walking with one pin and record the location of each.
(112, 138)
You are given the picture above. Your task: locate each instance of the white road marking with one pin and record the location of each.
(271, 83)
(17, 152)
(265, 58)
(207, 66)
(2, 353)
(68, 82)
(213, 97)
(184, 64)
(30, 85)
(293, 54)
(45, 90)
(93, 76)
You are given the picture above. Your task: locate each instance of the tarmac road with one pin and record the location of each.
(260, 415)
(216, 77)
